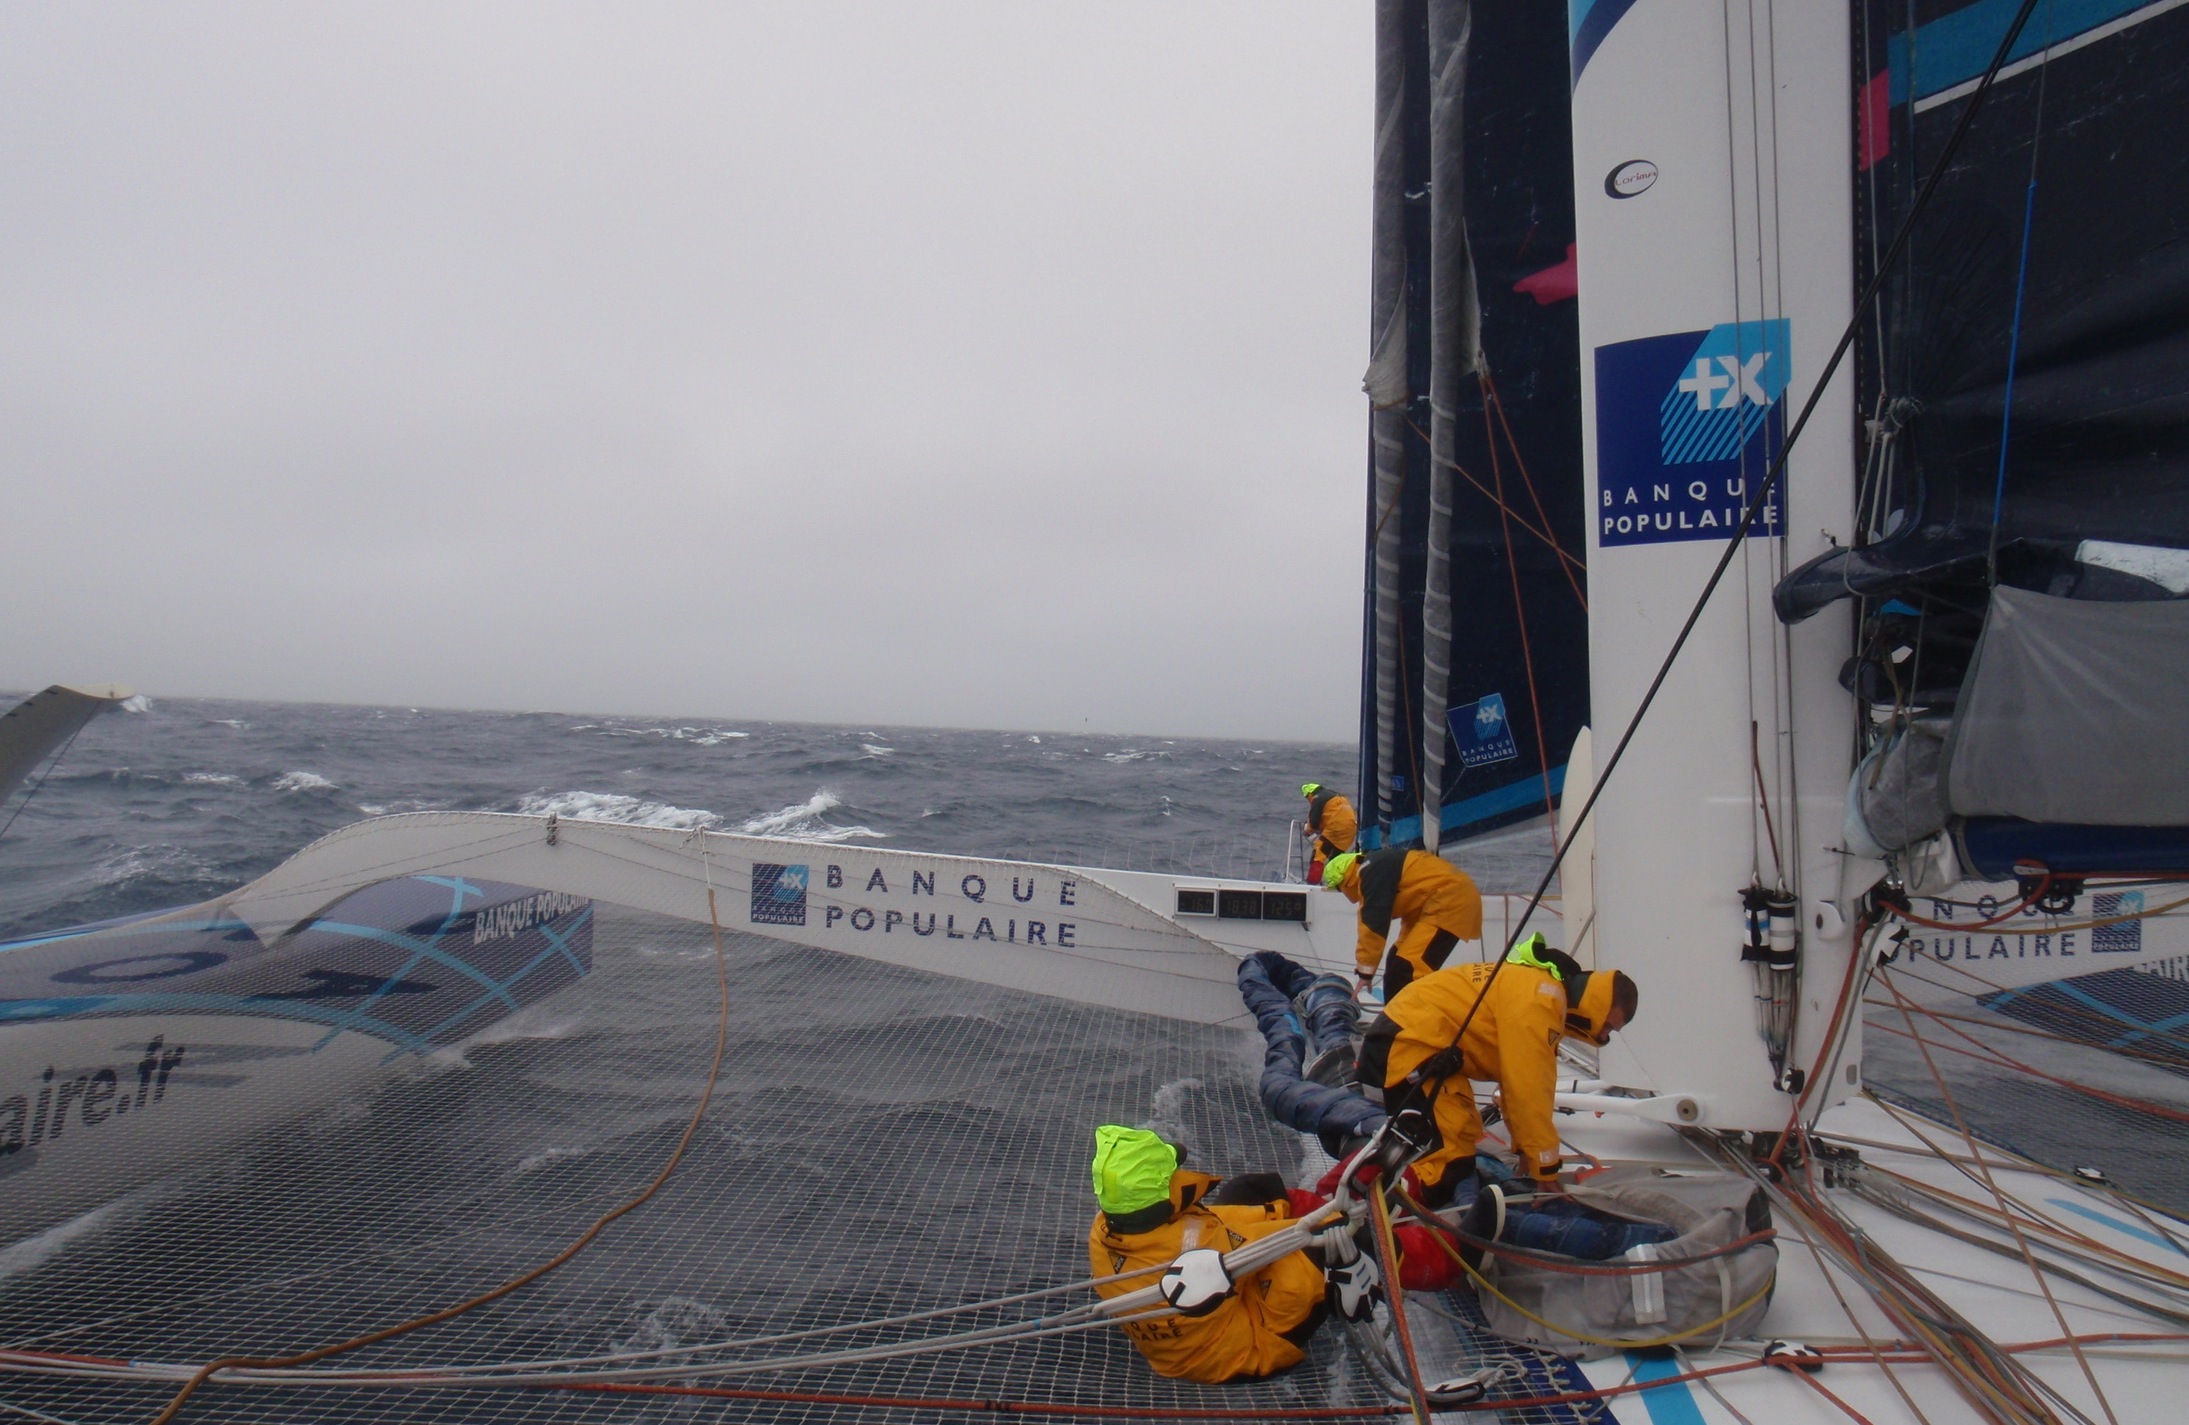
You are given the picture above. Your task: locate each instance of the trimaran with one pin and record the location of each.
(1791, 392)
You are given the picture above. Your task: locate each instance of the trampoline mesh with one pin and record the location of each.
(880, 1142)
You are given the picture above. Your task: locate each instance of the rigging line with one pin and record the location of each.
(2014, 336)
(1483, 490)
(39, 785)
(1763, 492)
(1566, 562)
(2014, 1225)
(1984, 1053)
(2155, 1059)
(1387, 1251)
(1520, 618)
(523, 1279)
(1755, 760)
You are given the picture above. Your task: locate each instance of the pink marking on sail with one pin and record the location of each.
(1553, 284)
(1874, 120)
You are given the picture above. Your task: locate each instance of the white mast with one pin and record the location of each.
(1713, 172)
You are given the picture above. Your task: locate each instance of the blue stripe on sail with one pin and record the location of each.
(1458, 816)
(1956, 48)
(1588, 22)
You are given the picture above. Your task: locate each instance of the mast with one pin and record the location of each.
(1712, 172)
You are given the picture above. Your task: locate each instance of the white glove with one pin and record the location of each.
(1197, 1282)
(1356, 1288)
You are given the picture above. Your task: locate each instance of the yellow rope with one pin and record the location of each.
(1567, 1331)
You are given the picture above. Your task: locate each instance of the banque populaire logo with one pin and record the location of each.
(779, 894)
(1685, 424)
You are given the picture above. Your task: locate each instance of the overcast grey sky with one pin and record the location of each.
(988, 364)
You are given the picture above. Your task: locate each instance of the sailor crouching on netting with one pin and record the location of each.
(1415, 1062)
(1152, 1212)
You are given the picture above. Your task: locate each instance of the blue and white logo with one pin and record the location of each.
(1481, 733)
(1684, 424)
(778, 894)
(2125, 937)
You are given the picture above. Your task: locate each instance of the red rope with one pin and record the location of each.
(1566, 561)
(1520, 615)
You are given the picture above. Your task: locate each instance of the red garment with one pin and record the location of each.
(1423, 1265)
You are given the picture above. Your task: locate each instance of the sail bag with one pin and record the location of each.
(1700, 1295)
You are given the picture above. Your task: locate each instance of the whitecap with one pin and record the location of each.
(806, 822)
(302, 782)
(551, 1155)
(211, 779)
(1033, 739)
(235, 722)
(875, 749)
(138, 704)
(33, 1252)
(616, 807)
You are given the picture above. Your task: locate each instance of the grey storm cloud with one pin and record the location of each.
(987, 364)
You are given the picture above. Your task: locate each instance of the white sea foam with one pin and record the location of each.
(807, 822)
(1032, 738)
(1131, 754)
(235, 722)
(302, 782)
(614, 806)
(551, 1155)
(33, 1252)
(1167, 1112)
(211, 779)
(137, 704)
(875, 749)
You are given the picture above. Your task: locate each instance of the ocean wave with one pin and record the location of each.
(614, 806)
(33, 1252)
(697, 736)
(211, 779)
(875, 749)
(807, 822)
(398, 807)
(1132, 754)
(302, 782)
(138, 704)
(551, 1155)
(235, 722)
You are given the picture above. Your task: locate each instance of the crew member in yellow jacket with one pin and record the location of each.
(1435, 900)
(1541, 996)
(1152, 1210)
(1332, 826)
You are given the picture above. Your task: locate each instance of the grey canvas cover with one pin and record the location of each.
(1898, 796)
(1693, 1303)
(2074, 712)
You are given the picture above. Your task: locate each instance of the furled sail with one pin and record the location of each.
(1477, 644)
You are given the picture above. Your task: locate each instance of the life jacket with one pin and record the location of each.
(1245, 1335)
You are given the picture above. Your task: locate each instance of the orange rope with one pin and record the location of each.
(523, 1279)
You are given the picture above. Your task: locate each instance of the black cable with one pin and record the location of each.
(1763, 491)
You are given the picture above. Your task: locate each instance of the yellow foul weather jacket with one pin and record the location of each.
(1243, 1337)
(1513, 1040)
(1427, 893)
